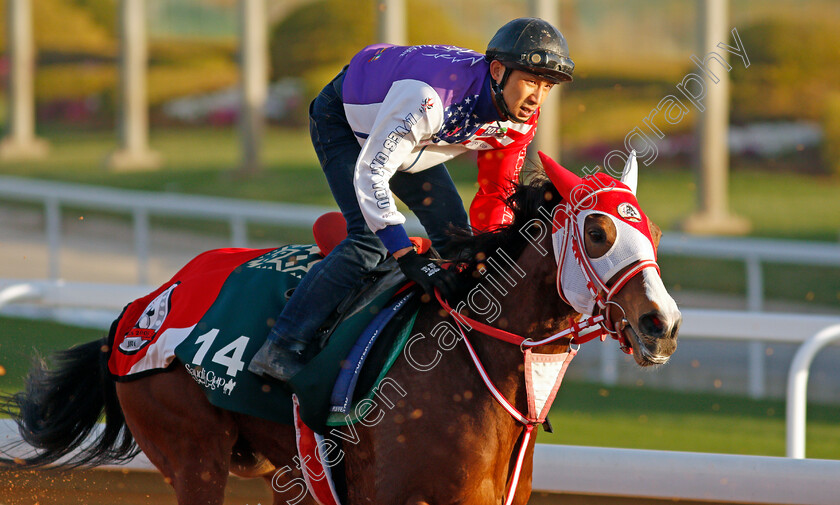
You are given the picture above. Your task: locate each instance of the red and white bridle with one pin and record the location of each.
(582, 282)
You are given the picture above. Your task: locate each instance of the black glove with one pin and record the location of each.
(428, 275)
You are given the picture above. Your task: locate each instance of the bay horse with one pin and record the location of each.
(446, 440)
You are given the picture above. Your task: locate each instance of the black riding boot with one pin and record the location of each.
(278, 360)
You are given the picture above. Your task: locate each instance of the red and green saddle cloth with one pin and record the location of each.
(213, 316)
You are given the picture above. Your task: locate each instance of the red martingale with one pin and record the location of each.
(543, 375)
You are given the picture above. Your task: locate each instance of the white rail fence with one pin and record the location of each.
(141, 205)
(239, 214)
(678, 476)
(672, 475)
(812, 331)
(753, 252)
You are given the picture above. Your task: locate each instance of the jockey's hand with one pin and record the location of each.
(428, 275)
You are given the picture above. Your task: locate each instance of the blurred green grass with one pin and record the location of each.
(803, 284)
(644, 418)
(23, 340)
(196, 161)
(584, 414)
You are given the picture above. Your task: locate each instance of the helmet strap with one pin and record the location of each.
(500, 99)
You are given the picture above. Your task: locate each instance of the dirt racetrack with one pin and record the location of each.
(133, 487)
(110, 487)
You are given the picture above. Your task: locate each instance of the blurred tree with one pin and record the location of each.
(831, 134)
(323, 33)
(66, 26)
(103, 12)
(77, 44)
(314, 41)
(794, 65)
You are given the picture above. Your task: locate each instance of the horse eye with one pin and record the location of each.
(597, 236)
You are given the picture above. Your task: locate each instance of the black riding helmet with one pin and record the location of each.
(531, 45)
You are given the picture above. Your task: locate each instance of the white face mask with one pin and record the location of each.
(630, 246)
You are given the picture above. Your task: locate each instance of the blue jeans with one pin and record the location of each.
(430, 194)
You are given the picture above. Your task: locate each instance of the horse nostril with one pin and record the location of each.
(675, 329)
(652, 324)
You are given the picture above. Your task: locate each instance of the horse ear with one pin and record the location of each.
(564, 180)
(630, 175)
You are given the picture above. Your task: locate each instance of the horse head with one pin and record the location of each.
(601, 280)
(605, 248)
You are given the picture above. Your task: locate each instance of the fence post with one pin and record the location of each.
(238, 231)
(141, 243)
(609, 364)
(756, 350)
(53, 229)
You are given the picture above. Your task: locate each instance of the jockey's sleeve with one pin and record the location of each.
(410, 113)
(498, 171)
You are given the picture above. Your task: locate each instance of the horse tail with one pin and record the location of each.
(59, 410)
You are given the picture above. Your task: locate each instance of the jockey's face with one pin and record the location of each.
(523, 92)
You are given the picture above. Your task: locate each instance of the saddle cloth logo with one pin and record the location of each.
(294, 260)
(150, 322)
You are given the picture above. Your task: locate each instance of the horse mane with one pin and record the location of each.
(470, 249)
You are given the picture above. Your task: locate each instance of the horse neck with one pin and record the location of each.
(531, 309)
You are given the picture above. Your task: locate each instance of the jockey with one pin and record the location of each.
(383, 127)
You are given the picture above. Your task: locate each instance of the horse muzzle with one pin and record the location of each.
(652, 338)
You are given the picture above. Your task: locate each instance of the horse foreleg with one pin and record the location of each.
(183, 435)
